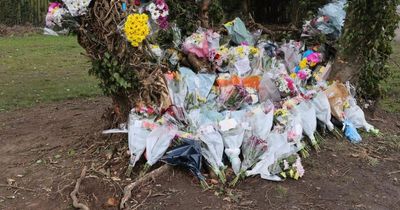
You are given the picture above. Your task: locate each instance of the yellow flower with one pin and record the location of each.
(303, 63)
(293, 75)
(291, 173)
(254, 50)
(136, 28)
(296, 176)
(281, 112)
(283, 174)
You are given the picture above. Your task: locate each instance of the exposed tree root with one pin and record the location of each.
(146, 178)
(75, 200)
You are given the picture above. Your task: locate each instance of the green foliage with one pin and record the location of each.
(19, 12)
(115, 79)
(367, 38)
(185, 14)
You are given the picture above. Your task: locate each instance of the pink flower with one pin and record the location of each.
(290, 84)
(314, 57)
(299, 166)
(302, 75)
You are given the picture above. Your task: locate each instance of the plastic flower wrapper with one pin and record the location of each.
(292, 53)
(203, 116)
(292, 167)
(197, 44)
(356, 116)
(188, 155)
(268, 90)
(294, 131)
(238, 32)
(261, 119)
(278, 148)
(177, 88)
(213, 149)
(233, 97)
(77, 7)
(157, 143)
(281, 116)
(323, 109)
(253, 149)
(309, 121)
(338, 95)
(233, 131)
(199, 86)
(351, 132)
(138, 130)
(54, 15)
(174, 115)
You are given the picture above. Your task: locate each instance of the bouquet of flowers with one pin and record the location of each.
(323, 109)
(309, 121)
(55, 15)
(213, 149)
(157, 143)
(233, 135)
(253, 149)
(233, 97)
(261, 119)
(177, 88)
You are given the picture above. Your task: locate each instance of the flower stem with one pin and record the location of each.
(237, 178)
(145, 169)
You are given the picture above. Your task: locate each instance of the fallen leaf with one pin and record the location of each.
(10, 181)
(214, 181)
(111, 202)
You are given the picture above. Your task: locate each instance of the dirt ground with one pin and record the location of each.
(43, 150)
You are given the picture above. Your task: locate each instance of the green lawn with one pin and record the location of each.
(38, 69)
(391, 102)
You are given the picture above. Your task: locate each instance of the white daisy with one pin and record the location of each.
(151, 7)
(165, 13)
(155, 14)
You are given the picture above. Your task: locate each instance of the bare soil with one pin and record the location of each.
(17, 30)
(43, 150)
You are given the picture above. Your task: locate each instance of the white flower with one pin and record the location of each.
(285, 165)
(165, 13)
(155, 14)
(151, 8)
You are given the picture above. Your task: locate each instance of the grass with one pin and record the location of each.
(39, 69)
(391, 102)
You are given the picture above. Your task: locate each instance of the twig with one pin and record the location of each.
(394, 172)
(75, 200)
(146, 178)
(16, 187)
(143, 201)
